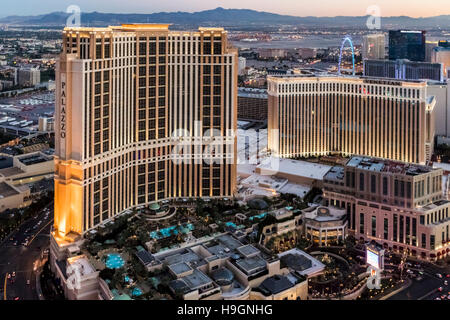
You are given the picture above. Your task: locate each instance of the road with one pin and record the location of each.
(424, 289)
(19, 258)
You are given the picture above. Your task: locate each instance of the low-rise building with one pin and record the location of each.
(28, 168)
(397, 204)
(13, 197)
(280, 287)
(325, 225)
(280, 222)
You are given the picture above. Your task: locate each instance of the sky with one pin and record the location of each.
(413, 8)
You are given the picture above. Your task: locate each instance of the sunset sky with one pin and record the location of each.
(414, 8)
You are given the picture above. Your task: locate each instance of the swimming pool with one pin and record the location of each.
(259, 216)
(232, 224)
(114, 261)
(136, 292)
(173, 230)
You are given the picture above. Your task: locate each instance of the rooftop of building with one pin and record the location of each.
(251, 265)
(191, 282)
(298, 168)
(248, 250)
(276, 284)
(134, 27)
(301, 262)
(282, 213)
(9, 172)
(252, 93)
(6, 190)
(81, 264)
(381, 165)
(180, 268)
(326, 77)
(5, 161)
(34, 158)
(324, 214)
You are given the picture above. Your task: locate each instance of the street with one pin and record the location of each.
(426, 288)
(16, 256)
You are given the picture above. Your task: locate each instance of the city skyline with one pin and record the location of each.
(199, 151)
(285, 7)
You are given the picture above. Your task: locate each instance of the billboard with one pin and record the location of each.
(373, 258)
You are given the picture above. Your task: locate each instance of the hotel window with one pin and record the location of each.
(424, 240)
(414, 231)
(385, 186)
(386, 228)
(408, 190)
(361, 223)
(432, 242)
(373, 183)
(374, 226)
(408, 228)
(395, 228)
(401, 229)
(361, 181)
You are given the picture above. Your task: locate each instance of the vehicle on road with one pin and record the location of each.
(439, 275)
(440, 289)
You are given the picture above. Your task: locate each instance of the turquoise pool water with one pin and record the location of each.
(259, 216)
(114, 261)
(232, 224)
(173, 230)
(136, 292)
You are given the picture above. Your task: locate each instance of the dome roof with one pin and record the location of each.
(223, 277)
(258, 204)
(154, 206)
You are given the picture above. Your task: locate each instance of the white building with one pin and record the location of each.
(29, 77)
(242, 64)
(325, 225)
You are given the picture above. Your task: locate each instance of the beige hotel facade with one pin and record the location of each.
(321, 115)
(396, 204)
(122, 93)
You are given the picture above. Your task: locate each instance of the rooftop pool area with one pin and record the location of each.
(258, 216)
(114, 261)
(173, 230)
(136, 292)
(233, 225)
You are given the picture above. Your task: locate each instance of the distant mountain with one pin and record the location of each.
(227, 18)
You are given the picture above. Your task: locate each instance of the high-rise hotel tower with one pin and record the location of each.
(315, 116)
(127, 98)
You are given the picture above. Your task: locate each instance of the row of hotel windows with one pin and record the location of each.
(350, 88)
(434, 217)
(404, 231)
(354, 127)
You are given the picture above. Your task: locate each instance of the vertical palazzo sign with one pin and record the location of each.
(63, 116)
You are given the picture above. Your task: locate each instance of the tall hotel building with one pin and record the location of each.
(316, 116)
(127, 97)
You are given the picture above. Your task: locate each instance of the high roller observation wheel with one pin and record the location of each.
(344, 41)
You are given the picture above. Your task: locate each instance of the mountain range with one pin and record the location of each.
(227, 18)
